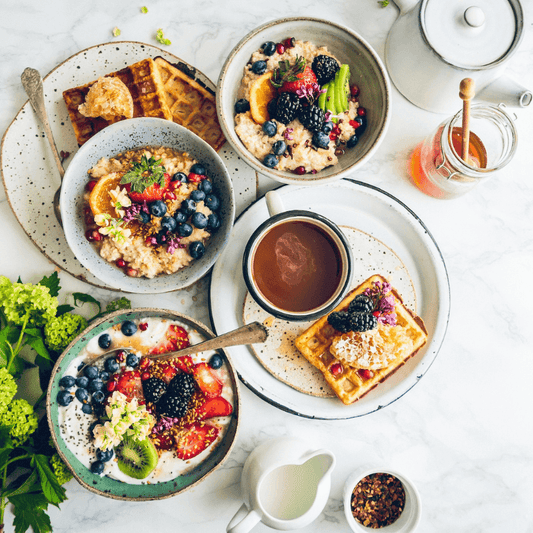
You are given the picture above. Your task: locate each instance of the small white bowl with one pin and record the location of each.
(367, 71)
(408, 520)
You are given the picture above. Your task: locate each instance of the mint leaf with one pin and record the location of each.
(144, 174)
(52, 490)
(52, 282)
(29, 511)
(161, 38)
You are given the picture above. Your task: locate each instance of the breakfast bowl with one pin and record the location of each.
(303, 161)
(396, 505)
(140, 244)
(157, 452)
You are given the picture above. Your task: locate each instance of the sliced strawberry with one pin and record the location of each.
(195, 440)
(304, 79)
(168, 372)
(213, 407)
(207, 380)
(165, 441)
(129, 383)
(195, 178)
(150, 194)
(184, 363)
(176, 338)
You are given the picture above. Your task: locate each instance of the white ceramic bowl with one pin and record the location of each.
(408, 520)
(132, 134)
(367, 71)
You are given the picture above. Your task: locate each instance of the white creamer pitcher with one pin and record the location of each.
(285, 484)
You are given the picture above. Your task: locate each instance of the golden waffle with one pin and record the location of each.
(314, 343)
(144, 83)
(191, 104)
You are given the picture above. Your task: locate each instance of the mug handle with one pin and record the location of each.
(274, 203)
(243, 520)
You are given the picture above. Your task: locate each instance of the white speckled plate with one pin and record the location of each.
(26, 163)
(383, 217)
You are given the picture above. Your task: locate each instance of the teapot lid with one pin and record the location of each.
(472, 34)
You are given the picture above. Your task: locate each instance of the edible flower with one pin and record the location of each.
(120, 199)
(310, 92)
(173, 243)
(384, 302)
(114, 229)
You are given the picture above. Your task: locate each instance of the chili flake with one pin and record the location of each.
(378, 500)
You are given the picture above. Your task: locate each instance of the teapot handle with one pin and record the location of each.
(243, 520)
(405, 5)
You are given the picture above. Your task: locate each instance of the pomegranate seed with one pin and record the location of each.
(299, 170)
(169, 195)
(280, 48)
(289, 43)
(336, 369)
(141, 402)
(376, 313)
(333, 136)
(365, 373)
(354, 124)
(93, 235)
(361, 111)
(121, 355)
(132, 272)
(90, 185)
(120, 263)
(143, 327)
(354, 90)
(175, 185)
(111, 386)
(145, 376)
(195, 178)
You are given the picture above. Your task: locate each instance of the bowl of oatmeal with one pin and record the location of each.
(304, 100)
(147, 206)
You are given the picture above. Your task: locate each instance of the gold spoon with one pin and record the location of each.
(33, 85)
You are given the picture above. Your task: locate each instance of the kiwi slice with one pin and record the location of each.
(342, 87)
(322, 97)
(330, 101)
(136, 458)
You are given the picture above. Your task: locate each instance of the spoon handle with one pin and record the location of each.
(249, 334)
(33, 85)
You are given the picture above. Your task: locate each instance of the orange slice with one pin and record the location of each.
(100, 201)
(261, 93)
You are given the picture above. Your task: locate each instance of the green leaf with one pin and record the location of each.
(144, 174)
(52, 490)
(161, 38)
(8, 336)
(85, 298)
(31, 484)
(63, 309)
(7, 447)
(52, 282)
(29, 511)
(36, 341)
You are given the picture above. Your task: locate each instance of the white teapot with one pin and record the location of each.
(434, 44)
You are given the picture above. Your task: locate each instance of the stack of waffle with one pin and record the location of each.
(352, 383)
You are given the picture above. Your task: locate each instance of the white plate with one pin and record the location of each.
(372, 210)
(28, 170)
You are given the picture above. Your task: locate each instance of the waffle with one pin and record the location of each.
(144, 83)
(191, 104)
(315, 342)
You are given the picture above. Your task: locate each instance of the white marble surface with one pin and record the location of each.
(464, 433)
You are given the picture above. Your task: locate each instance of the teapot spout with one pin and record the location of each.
(405, 5)
(505, 90)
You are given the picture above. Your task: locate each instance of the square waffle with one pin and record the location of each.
(315, 342)
(192, 105)
(142, 79)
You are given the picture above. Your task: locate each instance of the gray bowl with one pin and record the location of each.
(132, 134)
(367, 71)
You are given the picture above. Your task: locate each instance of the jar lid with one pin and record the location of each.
(471, 34)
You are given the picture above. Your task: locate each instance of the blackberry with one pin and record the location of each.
(340, 321)
(361, 304)
(173, 406)
(362, 321)
(287, 107)
(154, 389)
(312, 117)
(325, 68)
(182, 385)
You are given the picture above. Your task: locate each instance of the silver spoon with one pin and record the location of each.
(249, 334)
(33, 85)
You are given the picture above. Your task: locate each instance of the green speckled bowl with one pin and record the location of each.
(112, 488)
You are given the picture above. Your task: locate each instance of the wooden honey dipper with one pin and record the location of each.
(466, 92)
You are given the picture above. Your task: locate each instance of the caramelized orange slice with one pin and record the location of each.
(100, 201)
(261, 93)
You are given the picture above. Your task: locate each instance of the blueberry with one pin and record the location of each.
(206, 186)
(270, 128)
(179, 176)
(104, 341)
(198, 195)
(169, 223)
(64, 398)
(196, 249)
(128, 328)
(132, 360)
(327, 127)
(95, 385)
(82, 395)
(67, 381)
(213, 222)
(87, 409)
(82, 382)
(91, 372)
(158, 208)
(111, 365)
(270, 160)
(184, 230)
(104, 376)
(188, 206)
(180, 217)
(321, 139)
(268, 48)
(215, 361)
(198, 168)
(352, 141)
(98, 396)
(361, 129)
(199, 220)
(212, 202)
(242, 105)
(145, 217)
(259, 67)
(278, 148)
(97, 467)
(104, 455)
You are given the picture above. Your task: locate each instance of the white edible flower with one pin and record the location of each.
(119, 199)
(115, 230)
(103, 219)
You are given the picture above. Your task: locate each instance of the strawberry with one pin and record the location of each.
(207, 380)
(129, 383)
(150, 194)
(195, 178)
(176, 338)
(292, 78)
(165, 441)
(195, 440)
(168, 372)
(304, 79)
(213, 407)
(184, 363)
